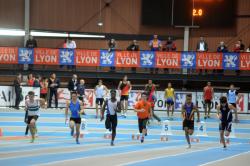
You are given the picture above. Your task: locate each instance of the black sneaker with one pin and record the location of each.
(142, 139)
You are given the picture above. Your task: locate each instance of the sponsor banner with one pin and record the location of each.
(244, 61)
(87, 57)
(188, 60)
(8, 55)
(242, 102)
(147, 59)
(230, 61)
(127, 58)
(208, 60)
(66, 56)
(167, 60)
(107, 58)
(46, 56)
(8, 96)
(89, 101)
(25, 56)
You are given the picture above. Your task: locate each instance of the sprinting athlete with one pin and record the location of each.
(32, 106)
(224, 113)
(144, 112)
(188, 110)
(76, 109)
(112, 106)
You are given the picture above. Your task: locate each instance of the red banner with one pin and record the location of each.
(168, 60)
(244, 61)
(46, 56)
(209, 60)
(127, 59)
(8, 55)
(87, 57)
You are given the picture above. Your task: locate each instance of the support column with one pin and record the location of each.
(26, 20)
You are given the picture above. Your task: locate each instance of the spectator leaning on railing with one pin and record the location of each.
(239, 46)
(221, 48)
(133, 47)
(248, 49)
(202, 47)
(169, 45)
(31, 43)
(155, 45)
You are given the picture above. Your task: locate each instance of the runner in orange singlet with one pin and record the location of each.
(208, 93)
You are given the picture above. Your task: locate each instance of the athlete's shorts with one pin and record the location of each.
(99, 101)
(170, 101)
(142, 123)
(188, 124)
(35, 117)
(225, 126)
(234, 104)
(124, 97)
(76, 120)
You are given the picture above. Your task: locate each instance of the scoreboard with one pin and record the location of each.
(209, 13)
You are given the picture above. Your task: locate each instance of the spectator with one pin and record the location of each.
(202, 45)
(111, 47)
(65, 43)
(133, 47)
(222, 47)
(30, 80)
(31, 43)
(44, 89)
(81, 90)
(155, 44)
(248, 49)
(73, 83)
(54, 84)
(70, 43)
(18, 90)
(37, 81)
(170, 45)
(239, 46)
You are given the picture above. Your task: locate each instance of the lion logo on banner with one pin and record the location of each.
(106, 58)
(230, 60)
(188, 59)
(25, 55)
(66, 56)
(147, 59)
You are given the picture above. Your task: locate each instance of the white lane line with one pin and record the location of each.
(166, 156)
(82, 150)
(99, 156)
(226, 158)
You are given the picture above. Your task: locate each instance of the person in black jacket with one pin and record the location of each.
(54, 84)
(72, 84)
(133, 47)
(18, 90)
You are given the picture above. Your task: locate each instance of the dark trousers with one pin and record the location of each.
(51, 94)
(18, 99)
(142, 123)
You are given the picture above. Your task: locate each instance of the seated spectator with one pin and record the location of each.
(170, 45)
(30, 80)
(133, 46)
(155, 44)
(202, 45)
(222, 47)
